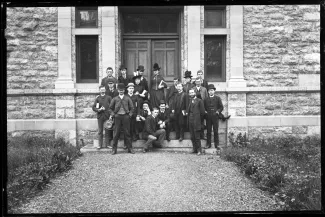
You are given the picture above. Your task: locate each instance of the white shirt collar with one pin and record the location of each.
(121, 96)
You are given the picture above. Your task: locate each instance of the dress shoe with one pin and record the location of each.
(168, 139)
(131, 151)
(125, 147)
(113, 151)
(193, 151)
(98, 148)
(199, 153)
(181, 139)
(144, 150)
(208, 146)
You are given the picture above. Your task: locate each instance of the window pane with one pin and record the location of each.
(86, 17)
(214, 57)
(214, 18)
(150, 23)
(87, 53)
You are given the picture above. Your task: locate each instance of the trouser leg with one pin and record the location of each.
(215, 132)
(192, 133)
(100, 131)
(168, 129)
(209, 129)
(160, 134)
(126, 129)
(177, 126)
(148, 143)
(197, 140)
(116, 130)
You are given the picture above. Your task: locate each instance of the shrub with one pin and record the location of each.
(32, 162)
(287, 166)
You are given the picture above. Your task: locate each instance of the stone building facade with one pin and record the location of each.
(270, 61)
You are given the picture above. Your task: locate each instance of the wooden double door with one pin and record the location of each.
(149, 51)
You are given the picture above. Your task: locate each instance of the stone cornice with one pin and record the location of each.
(60, 92)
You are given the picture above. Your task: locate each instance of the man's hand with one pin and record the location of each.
(160, 86)
(217, 112)
(173, 111)
(142, 118)
(142, 95)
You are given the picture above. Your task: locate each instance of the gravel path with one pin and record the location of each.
(151, 182)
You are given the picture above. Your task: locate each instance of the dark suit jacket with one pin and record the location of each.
(179, 103)
(202, 94)
(117, 102)
(102, 101)
(144, 83)
(214, 102)
(125, 81)
(203, 84)
(105, 82)
(135, 101)
(172, 91)
(150, 126)
(112, 94)
(188, 86)
(164, 116)
(198, 112)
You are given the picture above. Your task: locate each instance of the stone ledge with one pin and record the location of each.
(59, 92)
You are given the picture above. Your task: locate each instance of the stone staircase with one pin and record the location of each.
(173, 145)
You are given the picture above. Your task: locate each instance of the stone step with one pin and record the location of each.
(172, 135)
(91, 148)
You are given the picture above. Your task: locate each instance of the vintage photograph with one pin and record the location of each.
(163, 109)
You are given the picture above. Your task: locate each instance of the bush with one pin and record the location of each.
(32, 162)
(287, 166)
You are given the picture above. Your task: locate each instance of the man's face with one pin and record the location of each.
(130, 89)
(137, 81)
(141, 72)
(145, 107)
(110, 85)
(109, 72)
(175, 82)
(211, 92)
(198, 83)
(200, 74)
(187, 79)
(155, 113)
(179, 87)
(191, 93)
(162, 106)
(102, 91)
(120, 91)
(123, 71)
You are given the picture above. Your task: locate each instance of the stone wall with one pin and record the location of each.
(34, 133)
(281, 42)
(266, 132)
(31, 107)
(283, 104)
(84, 105)
(88, 136)
(32, 47)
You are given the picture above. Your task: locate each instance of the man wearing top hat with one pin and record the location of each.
(213, 107)
(143, 80)
(139, 90)
(204, 83)
(109, 72)
(164, 118)
(135, 100)
(195, 112)
(188, 84)
(123, 78)
(121, 108)
(101, 106)
(111, 88)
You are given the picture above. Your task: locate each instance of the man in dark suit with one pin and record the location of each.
(164, 118)
(178, 109)
(121, 108)
(204, 83)
(188, 84)
(111, 90)
(202, 93)
(123, 78)
(172, 91)
(195, 111)
(152, 131)
(213, 107)
(101, 106)
(135, 101)
(109, 72)
(143, 80)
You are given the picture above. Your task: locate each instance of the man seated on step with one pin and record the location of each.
(164, 118)
(101, 106)
(152, 133)
(144, 112)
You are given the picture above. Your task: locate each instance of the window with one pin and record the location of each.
(215, 57)
(214, 16)
(86, 17)
(150, 23)
(87, 59)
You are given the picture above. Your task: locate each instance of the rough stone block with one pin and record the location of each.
(313, 130)
(299, 129)
(60, 113)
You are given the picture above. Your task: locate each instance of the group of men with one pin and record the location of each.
(124, 101)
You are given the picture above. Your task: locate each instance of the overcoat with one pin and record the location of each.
(198, 112)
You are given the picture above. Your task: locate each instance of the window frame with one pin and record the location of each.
(78, 62)
(215, 8)
(223, 61)
(77, 18)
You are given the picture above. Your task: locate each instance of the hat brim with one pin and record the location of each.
(212, 88)
(188, 76)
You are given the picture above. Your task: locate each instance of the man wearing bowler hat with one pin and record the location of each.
(213, 107)
(111, 88)
(188, 85)
(143, 80)
(101, 106)
(135, 100)
(121, 108)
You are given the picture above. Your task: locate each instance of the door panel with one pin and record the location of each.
(137, 52)
(165, 53)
